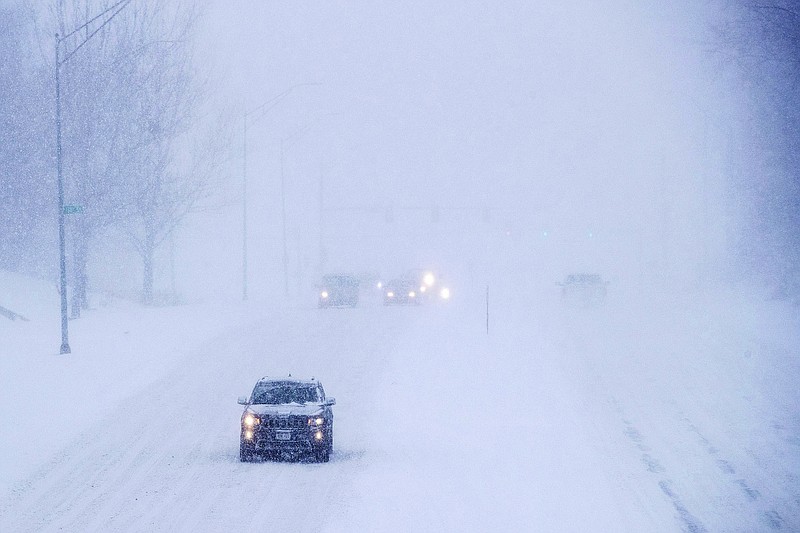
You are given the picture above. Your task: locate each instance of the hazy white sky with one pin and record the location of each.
(575, 115)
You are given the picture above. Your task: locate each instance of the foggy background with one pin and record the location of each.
(652, 144)
(463, 132)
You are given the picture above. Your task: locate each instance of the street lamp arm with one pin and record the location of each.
(275, 100)
(122, 4)
(303, 129)
(297, 134)
(79, 28)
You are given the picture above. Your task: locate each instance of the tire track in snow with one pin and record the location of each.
(690, 522)
(596, 360)
(770, 517)
(724, 490)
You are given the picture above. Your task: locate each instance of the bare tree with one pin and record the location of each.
(132, 100)
(22, 154)
(93, 100)
(176, 157)
(761, 38)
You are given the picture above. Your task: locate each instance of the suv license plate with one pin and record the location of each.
(283, 434)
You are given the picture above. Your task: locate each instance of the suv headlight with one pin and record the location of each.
(250, 420)
(315, 421)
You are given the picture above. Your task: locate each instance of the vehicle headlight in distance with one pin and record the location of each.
(324, 294)
(390, 294)
(250, 420)
(412, 294)
(423, 288)
(428, 279)
(444, 293)
(379, 285)
(316, 421)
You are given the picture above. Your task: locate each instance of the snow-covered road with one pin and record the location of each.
(560, 420)
(166, 458)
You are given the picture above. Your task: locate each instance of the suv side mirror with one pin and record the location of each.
(242, 400)
(330, 401)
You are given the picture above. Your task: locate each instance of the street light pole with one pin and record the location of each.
(62, 260)
(244, 215)
(283, 224)
(321, 221)
(264, 108)
(65, 349)
(294, 136)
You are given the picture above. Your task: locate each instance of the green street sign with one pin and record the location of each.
(73, 209)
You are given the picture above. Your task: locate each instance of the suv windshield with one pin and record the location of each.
(276, 393)
(589, 279)
(340, 281)
(401, 284)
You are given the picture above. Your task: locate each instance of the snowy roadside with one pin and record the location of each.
(673, 413)
(47, 399)
(697, 392)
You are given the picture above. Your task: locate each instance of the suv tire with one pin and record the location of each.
(322, 455)
(246, 452)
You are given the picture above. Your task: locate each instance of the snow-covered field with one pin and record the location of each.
(658, 413)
